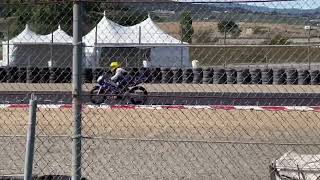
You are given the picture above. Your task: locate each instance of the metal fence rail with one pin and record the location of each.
(212, 90)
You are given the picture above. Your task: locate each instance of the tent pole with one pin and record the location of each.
(139, 34)
(94, 64)
(181, 56)
(51, 51)
(181, 53)
(95, 49)
(8, 41)
(28, 61)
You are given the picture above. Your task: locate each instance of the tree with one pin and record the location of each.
(186, 27)
(45, 18)
(229, 27)
(116, 12)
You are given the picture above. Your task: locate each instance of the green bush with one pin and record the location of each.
(279, 40)
(260, 30)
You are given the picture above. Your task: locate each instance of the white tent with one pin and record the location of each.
(164, 56)
(9, 49)
(105, 31)
(29, 48)
(60, 48)
(143, 35)
(59, 36)
(155, 46)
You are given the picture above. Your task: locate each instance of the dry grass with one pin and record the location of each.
(123, 158)
(173, 28)
(196, 124)
(207, 33)
(212, 56)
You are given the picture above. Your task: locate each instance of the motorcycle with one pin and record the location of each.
(128, 88)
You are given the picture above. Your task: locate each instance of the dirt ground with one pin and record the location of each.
(160, 144)
(171, 124)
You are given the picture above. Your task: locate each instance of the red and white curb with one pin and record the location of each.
(176, 107)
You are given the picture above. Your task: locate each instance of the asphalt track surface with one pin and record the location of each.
(178, 98)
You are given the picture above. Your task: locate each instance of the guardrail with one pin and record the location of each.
(168, 75)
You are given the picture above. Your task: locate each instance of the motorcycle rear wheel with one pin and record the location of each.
(138, 95)
(97, 97)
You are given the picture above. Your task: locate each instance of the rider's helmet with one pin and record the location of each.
(114, 65)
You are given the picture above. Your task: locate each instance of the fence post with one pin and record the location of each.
(28, 163)
(76, 91)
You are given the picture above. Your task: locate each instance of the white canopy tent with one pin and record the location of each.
(164, 49)
(61, 48)
(29, 48)
(105, 31)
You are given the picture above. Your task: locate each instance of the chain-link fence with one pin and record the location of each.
(161, 89)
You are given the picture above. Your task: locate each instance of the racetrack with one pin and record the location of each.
(166, 88)
(176, 94)
(162, 144)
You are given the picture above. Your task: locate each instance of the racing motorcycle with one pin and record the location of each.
(129, 88)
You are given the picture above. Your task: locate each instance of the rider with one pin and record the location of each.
(118, 73)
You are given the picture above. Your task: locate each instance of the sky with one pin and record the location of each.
(299, 4)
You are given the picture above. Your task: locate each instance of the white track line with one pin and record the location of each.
(176, 107)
